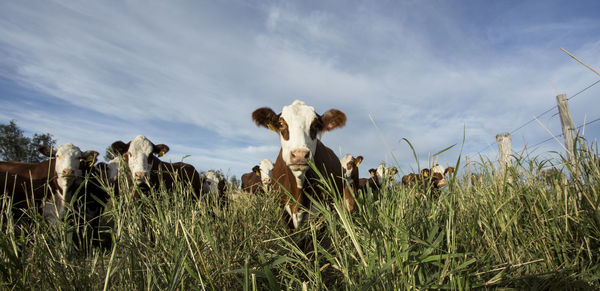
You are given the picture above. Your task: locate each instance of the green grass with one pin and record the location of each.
(523, 235)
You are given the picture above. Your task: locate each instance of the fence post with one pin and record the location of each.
(567, 127)
(468, 171)
(504, 141)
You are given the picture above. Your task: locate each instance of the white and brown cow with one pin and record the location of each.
(350, 170)
(62, 173)
(384, 175)
(260, 178)
(299, 128)
(147, 170)
(429, 179)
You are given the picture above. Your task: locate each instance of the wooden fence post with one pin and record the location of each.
(567, 127)
(468, 171)
(504, 141)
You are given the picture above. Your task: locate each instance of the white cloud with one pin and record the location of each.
(210, 65)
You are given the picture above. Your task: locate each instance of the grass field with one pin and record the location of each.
(522, 234)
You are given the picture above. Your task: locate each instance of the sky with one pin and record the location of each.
(189, 74)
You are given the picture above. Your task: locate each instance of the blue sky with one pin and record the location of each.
(189, 74)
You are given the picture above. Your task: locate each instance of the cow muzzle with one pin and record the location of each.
(266, 181)
(139, 177)
(68, 174)
(299, 160)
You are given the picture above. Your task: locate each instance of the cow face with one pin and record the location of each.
(69, 161)
(385, 173)
(298, 126)
(138, 154)
(212, 181)
(266, 171)
(349, 164)
(438, 169)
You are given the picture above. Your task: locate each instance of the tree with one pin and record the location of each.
(14, 146)
(39, 140)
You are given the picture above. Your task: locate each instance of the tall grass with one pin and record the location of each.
(524, 234)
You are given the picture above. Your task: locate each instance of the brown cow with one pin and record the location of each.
(61, 175)
(370, 182)
(260, 178)
(350, 170)
(433, 178)
(298, 127)
(147, 170)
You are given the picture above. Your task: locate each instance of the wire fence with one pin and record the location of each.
(544, 113)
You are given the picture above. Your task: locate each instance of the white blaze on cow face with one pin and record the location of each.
(211, 181)
(266, 171)
(138, 154)
(113, 169)
(346, 165)
(438, 169)
(384, 173)
(298, 118)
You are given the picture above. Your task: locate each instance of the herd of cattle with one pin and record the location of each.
(69, 172)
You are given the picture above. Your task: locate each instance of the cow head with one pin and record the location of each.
(438, 174)
(350, 165)
(139, 154)
(266, 171)
(69, 161)
(298, 126)
(213, 182)
(385, 173)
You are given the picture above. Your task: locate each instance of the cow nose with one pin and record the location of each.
(68, 172)
(139, 175)
(299, 156)
(267, 181)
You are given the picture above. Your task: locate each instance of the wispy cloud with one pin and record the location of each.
(191, 73)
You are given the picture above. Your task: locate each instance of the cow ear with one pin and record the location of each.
(372, 172)
(91, 157)
(119, 147)
(266, 117)
(160, 149)
(425, 172)
(394, 171)
(449, 170)
(333, 119)
(46, 151)
(358, 160)
(256, 169)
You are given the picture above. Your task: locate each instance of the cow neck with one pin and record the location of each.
(284, 179)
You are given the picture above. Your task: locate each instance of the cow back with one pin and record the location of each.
(251, 182)
(42, 170)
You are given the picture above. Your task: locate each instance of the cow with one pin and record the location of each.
(98, 183)
(147, 170)
(60, 174)
(350, 170)
(383, 175)
(214, 183)
(260, 177)
(371, 182)
(299, 128)
(429, 179)
(109, 171)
